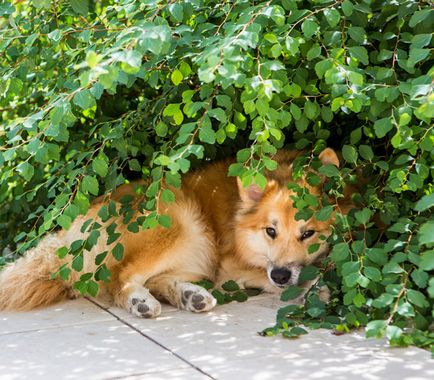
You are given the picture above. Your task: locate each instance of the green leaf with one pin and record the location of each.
(358, 34)
(419, 16)
(99, 166)
(90, 185)
(218, 113)
(416, 55)
(322, 66)
(165, 221)
(291, 293)
(100, 257)
(382, 127)
(350, 154)
(230, 286)
(25, 170)
(372, 273)
(207, 134)
(425, 203)
(77, 263)
(314, 52)
(118, 251)
(376, 328)
(347, 8)
(103, 274)
(427, 260)
(340, 252)
(311, 109)
(219, 296)
(167, 196)
(332, 16)
(177, 11)
(426, 233)
(208, 285)
(366, 152)
(360, 53)
(393, 332)
(295, 332)
(295, 111)
(329, 170)
(324, 214)
(80, 7)
(42, 4)
(92, 59)
(308, 273)
(92, 288)
(240, 296)
(417, 298)
(62, 252)
(161, 129)
(363, 216)
(64, 221)
(292, 44)
(84, 99)
(309, 28)
(176, 77)
(421, 40)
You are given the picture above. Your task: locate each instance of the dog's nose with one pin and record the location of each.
(280, 276)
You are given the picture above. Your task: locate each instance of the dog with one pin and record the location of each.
(219, 230)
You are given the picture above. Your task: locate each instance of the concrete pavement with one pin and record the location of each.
(82, 339)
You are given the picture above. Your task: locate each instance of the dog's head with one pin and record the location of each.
(268, 234)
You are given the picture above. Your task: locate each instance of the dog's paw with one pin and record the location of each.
(196, 298)
(144, 307)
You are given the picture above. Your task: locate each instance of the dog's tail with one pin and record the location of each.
(26, 284)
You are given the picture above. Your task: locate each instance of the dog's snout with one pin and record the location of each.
(280, 276)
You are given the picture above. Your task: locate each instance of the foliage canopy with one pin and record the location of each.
(96, 93)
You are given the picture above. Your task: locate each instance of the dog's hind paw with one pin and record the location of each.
(144, 306)
(195, 298)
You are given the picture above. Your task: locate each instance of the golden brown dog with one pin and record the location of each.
(220, 231)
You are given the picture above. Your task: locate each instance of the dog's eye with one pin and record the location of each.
(271, 232)
(307, 234)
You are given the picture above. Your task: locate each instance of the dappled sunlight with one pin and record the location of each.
(223, 343)
(63, 314)
(94, 350)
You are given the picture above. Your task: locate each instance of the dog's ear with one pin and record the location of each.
(329, 157)
(250, 194)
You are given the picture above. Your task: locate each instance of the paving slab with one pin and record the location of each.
(85, 340)
(179, 374)
(224, 343)
(99, 350)
(63, 314)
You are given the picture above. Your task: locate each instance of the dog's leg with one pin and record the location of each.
(138, 301)
(182, 294)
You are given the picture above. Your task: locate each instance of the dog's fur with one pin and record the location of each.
(219, 232)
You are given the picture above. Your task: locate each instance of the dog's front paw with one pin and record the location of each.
(196, 298)
(144, 307)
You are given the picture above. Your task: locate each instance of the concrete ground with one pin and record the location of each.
(84, 340)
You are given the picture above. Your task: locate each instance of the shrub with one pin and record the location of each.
(95, 93)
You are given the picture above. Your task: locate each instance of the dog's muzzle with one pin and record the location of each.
(280, 276)
(283, 276)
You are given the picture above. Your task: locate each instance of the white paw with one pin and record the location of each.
(144, 305)
(195, 298)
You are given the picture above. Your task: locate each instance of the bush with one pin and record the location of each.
(95, 93)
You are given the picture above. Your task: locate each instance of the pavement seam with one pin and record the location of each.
(147, 373)
(153, 340)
